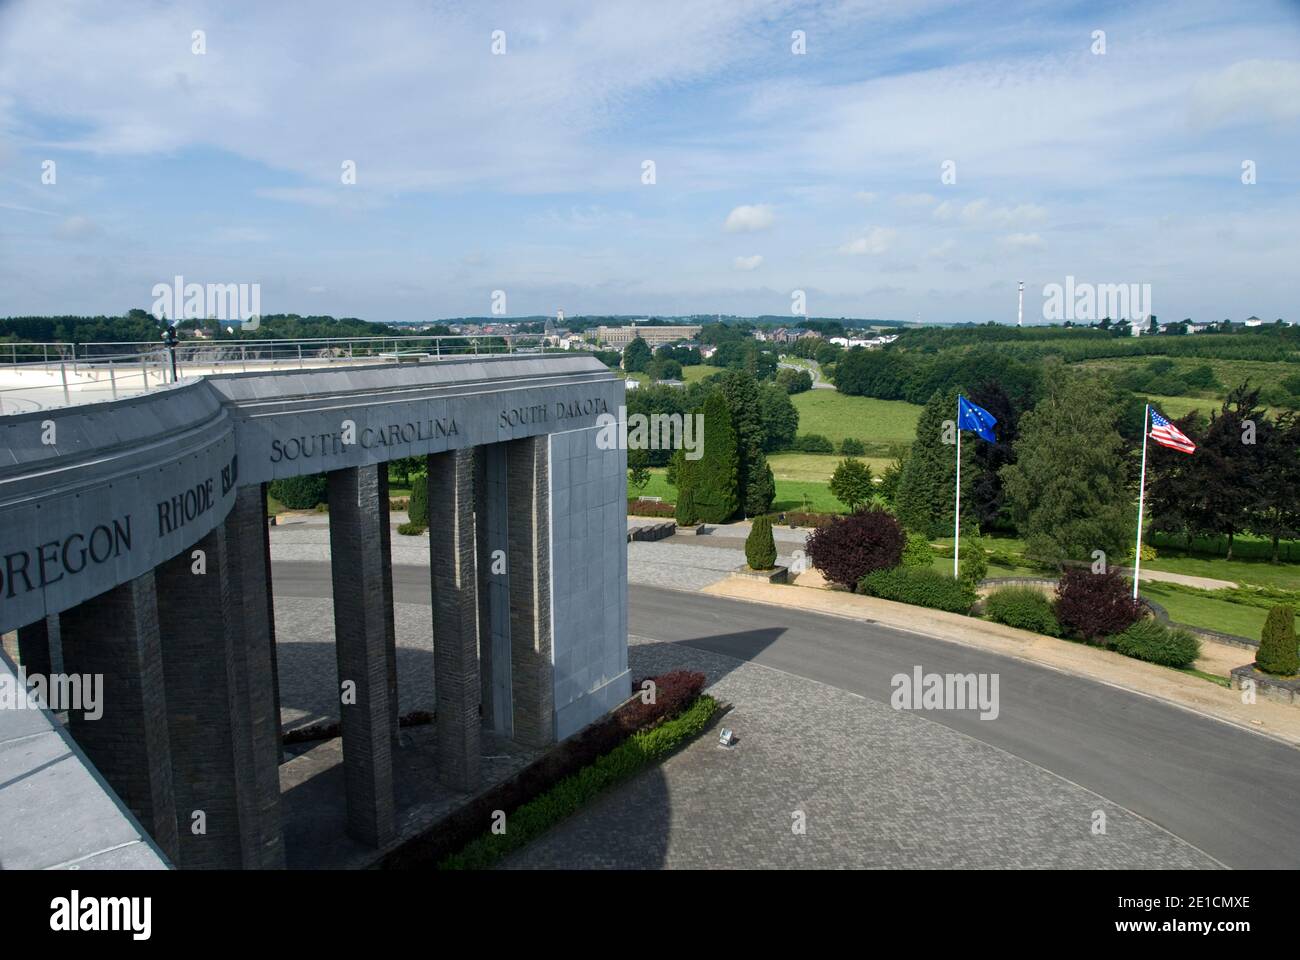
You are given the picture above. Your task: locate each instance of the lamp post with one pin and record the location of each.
(169, 340)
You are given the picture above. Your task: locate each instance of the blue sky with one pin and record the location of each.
(774, 171)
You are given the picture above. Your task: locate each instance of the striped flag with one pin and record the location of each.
(1167, 435)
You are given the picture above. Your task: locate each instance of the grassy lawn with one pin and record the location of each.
(699, 372)
(881, 425)
(1203, 610)
(816, 467)
(789, 493)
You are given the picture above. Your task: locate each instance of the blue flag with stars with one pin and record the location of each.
(971, 417)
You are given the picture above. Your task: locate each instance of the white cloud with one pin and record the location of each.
(748, 219)
(1248, 92)
(866, 196)
(748, 263)
(874, 241)
(1024, 241)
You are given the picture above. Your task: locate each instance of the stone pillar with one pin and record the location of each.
(455, 616)
(361, 639)
(532, 673)
(115, 636)
(270, 624)
(257, 717)
(211, 765)
(35, 645)
(390, 626)
(492, 535)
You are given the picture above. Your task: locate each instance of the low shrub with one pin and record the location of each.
(1277, 643)
(650, 508)
(398, 503)
(1095, 605)
(760, 546)
(673, 692)
(812, 443)
(300, 493)
(1155, 643)
(973, 565)
(920, 587)
(851, 547)
(411, 529)
(917, 551)
(852, 447)
(1024, 608)
(605, 753)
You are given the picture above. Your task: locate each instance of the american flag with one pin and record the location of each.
(1167, 435)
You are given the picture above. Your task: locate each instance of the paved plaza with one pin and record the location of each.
(878, 788)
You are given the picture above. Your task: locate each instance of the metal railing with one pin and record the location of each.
(89, 372)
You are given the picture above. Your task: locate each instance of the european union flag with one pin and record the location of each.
(971, 417)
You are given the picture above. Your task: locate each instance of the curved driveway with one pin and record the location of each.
(1227, 791)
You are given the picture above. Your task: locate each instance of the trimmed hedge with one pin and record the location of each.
(1155, 643)
(1024, 608)
(649, 508)
(802, 518)
(570, 794)
(674, 691)
(920, 587)
(300, 493)
(418, 507)
(760, 545)
(684, 510)
(411, 529)
(1277, 643)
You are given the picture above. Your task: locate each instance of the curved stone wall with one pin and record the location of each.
(93, 496)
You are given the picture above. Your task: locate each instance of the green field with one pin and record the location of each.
(816, 467)
(1202, 609)
(699, 372)
(790, 494)
(882, 425)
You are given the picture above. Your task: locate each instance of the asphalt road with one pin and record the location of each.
(1228, 791)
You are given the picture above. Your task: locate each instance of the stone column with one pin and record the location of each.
(455, 616)
(211, 764)
(493, 544)
(361, 642)
(532, 673)
(115, 636)
(270, 624)
(36, 645)
(257, 716)
(390, 626)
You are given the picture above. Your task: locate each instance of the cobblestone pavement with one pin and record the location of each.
(685, 566)
(877, 788)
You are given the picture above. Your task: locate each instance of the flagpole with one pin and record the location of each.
(1142, 490)
(956, 521)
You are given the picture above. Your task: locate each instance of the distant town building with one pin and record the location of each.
(654, 336)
